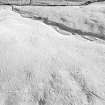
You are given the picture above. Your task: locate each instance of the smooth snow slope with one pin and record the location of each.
(39, 66)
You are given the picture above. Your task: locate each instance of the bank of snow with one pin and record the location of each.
(39, 66)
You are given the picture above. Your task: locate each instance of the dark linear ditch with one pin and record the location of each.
(60, 25)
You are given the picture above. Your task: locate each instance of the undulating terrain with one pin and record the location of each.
(52, 55)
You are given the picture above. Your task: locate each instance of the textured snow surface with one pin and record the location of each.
(39, 66)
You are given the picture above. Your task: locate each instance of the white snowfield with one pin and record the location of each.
(39, 66)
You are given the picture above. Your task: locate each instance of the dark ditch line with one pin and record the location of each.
(72, 30)
(60, 25)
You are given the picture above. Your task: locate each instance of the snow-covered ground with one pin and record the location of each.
(39, 66)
